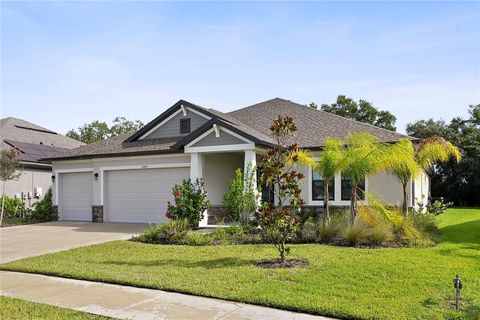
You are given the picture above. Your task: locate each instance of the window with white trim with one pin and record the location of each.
(347, 189)
(318, 187)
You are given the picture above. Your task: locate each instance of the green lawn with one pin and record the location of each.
(15, 309)
(413, 283)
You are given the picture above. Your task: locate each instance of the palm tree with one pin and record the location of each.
(328, 166)
(364, 155)
(406, 161)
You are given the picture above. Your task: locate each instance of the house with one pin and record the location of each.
(129, 178)
(33, 142)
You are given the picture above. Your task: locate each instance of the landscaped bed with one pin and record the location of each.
(343, 282)
(14, 309)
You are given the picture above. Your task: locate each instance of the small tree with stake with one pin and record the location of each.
(279, 222)
(9, 164)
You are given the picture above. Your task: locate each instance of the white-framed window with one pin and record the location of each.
(318, 187)
(346, 189)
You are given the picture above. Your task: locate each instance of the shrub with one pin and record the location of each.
(355, 234)
(337, 223)
(190, 202)
(219, 236)
(13, 207)
(197, 239)
(379, 234)
(43, 209)
(426, 224)
(309, 231)
(242, 196)
(172, 232)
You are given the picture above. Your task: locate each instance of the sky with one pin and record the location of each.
(64, 64)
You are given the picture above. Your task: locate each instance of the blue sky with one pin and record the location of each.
(67, 63)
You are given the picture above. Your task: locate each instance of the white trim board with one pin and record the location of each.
(221, 148)
(216, 128)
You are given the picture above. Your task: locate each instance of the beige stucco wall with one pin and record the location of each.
(387, 187)
(218, 170)
(27, 182)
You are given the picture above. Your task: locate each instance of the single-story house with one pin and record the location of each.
(33, 142)
(129, 178)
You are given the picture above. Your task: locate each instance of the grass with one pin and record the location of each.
(388, 283)
(21, 309)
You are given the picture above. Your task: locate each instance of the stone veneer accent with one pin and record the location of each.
(219, 215)
(97, 213)
(55, 211)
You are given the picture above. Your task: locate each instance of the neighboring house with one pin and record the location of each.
(129, 178)
(33, 143)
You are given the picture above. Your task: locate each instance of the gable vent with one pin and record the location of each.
(185, 125)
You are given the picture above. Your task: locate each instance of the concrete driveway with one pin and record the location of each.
(36, 239)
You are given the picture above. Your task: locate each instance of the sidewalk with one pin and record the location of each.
(132, 303)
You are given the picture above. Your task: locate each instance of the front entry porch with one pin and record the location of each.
(217, 169)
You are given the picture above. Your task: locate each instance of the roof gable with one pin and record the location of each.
(178, 110)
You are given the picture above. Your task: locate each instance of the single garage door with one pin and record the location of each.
(76, 196)
(141, 195)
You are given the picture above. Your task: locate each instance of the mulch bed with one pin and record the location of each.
(275, 263)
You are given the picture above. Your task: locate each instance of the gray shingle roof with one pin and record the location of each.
(24, 131)
(313, 125)
(115, 147)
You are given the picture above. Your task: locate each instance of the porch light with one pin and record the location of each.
(95, 176)
(53, 178)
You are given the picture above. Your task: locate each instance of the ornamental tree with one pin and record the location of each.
(190, 202)
(279, 222)
(328, 166)
(364, 155)
(407, 161)
(9, 164)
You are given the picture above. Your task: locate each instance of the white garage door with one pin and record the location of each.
(141, 195)
(76, 196)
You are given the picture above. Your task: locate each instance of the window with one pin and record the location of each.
(268, 195)
(185, 125)
(317, 187)
(347, 189)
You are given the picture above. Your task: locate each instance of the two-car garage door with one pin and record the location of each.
(141, 195)
(135, 196)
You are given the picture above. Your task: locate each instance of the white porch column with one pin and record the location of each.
(251, 158)
(196, 171)
(196, 165)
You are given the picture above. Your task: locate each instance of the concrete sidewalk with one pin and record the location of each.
(132, 303)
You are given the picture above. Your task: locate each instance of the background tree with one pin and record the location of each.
(328, 166)
(362, 111)
(278, 173)
(98, 130)
(9, 164)
(313, 105)
(456, 182)
(121, 125)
